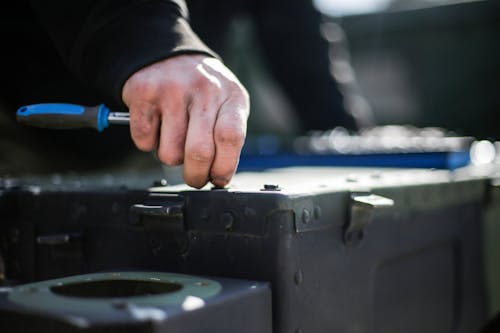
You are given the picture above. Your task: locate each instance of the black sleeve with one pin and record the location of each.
(103, 42)
(299, 58)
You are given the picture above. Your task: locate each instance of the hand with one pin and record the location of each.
(194, 110)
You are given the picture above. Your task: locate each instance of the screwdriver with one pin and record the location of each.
(70, 116)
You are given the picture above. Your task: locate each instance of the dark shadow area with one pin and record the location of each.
(115, 288)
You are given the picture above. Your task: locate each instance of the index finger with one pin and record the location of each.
(229, 136)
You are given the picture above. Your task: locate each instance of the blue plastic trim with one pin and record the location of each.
(51, 108)
(102, 118)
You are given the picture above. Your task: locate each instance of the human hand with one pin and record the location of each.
(194, 111)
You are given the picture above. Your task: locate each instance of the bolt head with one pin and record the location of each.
(271, 187)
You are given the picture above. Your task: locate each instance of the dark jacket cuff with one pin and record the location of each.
(143, 35)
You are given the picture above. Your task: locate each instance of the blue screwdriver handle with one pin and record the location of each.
(64, 116)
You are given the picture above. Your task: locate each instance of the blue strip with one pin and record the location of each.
(433, 160)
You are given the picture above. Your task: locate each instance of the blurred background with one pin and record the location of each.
(427, 63)
(308, 65)
(424, 63)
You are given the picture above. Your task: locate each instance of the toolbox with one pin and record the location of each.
(344, 249)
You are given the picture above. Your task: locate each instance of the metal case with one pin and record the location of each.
(348, 250)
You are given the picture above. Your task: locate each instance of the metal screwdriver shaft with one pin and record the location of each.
(119, 118)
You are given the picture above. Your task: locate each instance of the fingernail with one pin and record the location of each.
(220, 181)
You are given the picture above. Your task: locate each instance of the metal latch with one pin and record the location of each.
(59, 239)
(160, 221)
(165, 212)
(65, 245)
(361, 214)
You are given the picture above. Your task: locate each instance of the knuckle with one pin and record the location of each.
(237, 90)
(143, 137)
(201, 154)
(206, 84)
(145, 89)
(244, 93)
(230, 136)
(175, 87)
(240, 98)
(142, 130)
(201, 81)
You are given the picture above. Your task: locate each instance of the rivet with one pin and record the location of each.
(120, 305)
(115, 208)
(351, 179)
(249, 212)
(156, 245)
(298, 277)
(227, 220)
(306, 216)
(201, 284)
(317, 212)
(161, 182)
(14, 235)
(348, 237)
(205, 214)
